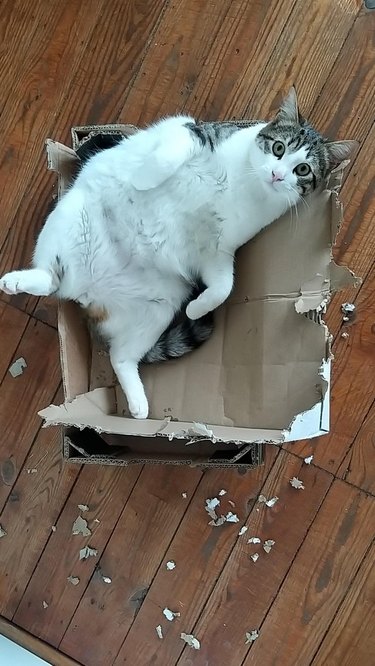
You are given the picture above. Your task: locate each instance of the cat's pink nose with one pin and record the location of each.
(277, 176)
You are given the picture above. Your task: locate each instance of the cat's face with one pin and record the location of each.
(292, 157)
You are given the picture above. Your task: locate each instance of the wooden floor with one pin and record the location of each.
(312, 598)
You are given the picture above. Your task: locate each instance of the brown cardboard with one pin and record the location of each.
(264, 374)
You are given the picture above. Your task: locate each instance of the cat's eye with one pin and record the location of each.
(278, 149)
(302, 169)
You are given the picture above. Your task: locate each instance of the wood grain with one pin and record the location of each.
(200, 53)
(21, 398)
(318, 579)
(105, 490)
(350, 638)
(12, 325)
(148, 523)
(358, 466)
(34, 505)
(246, 589)
(200, 552)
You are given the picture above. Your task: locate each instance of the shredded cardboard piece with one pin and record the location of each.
(96, 520)
(83, 507)
(254, 540)
(3, 532)
(270, 502)
(32, 470)
(296, 483)
(210, 507)
(231, 503)
(232, 518)
(74, 580)
(345, 334)
(171, 565)
(243, 530)
(267, 546)
(106, 579)
(348, 309)
(86, 552)
(308, 460)
(254, 557)
(53, 528)
(184, 495)
(220, 520)
(170, 615)
(159, 631)
(80, 527)
(251, 636)
(17, 368)
(191, 641)
(45, 605)
(222, 492)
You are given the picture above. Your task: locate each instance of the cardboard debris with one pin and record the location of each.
(74, 580)
(308, 460)
(86, 552)
(170, 615)
(184, 495)
(171, 565)
(348, 309)
(3, 532)
(345, 334)
(159, 631)
(270, 502)
(17, 368)
(31, 471)
(269, 340)
(254, 540)
(83, 507)
(45, 605)
(80, 527)
(222, 492)
(106, 579)
(210, 507)
(53, 528)
(243, 530)
(254, 557)
(251, 636)
(232, 518)
(296, 483)
(191, 641)
(267, 546)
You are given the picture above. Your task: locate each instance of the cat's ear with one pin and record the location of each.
(289, 107)
(339, 151)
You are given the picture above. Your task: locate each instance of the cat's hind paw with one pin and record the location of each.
(34, 281)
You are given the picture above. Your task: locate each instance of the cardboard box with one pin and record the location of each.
(264, 376)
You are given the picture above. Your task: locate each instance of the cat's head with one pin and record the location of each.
(292, 156)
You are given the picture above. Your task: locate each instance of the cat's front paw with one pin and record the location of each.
(139, 408)
(196, 309)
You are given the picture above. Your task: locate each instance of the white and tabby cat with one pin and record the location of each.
(147, 218)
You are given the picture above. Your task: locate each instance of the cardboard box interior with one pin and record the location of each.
(262, 377)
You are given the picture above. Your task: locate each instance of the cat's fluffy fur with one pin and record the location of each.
(171, 204)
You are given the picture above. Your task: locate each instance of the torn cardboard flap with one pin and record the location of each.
(263, 375)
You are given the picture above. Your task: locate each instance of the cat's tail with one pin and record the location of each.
(182, 337)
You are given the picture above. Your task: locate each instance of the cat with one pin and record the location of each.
(170, 205)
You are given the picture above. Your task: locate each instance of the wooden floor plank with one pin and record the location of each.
(200, 552)
(318, 579)
(358, 467)
(246, 589)
(303, 55)
(199, 54)
(12, 325)
(353, 388)
(104, 490)
(32, 508)
(148, 523)
(350, 638)
(21, 398)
